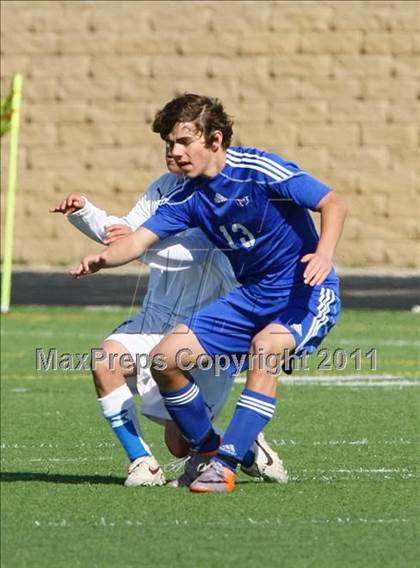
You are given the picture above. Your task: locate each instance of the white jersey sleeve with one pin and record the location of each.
(175, 253)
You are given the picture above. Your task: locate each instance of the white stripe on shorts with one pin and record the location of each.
(326, 298)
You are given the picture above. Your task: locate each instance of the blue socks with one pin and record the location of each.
(253, 411)
(187, 409)
(119, 409)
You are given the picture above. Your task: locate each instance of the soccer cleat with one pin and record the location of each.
(267, 463)
(144, 471)
(216, 478)
(194, 466)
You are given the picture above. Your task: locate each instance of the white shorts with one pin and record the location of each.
(215, 389)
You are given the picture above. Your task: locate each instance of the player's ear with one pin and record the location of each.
(216, 140)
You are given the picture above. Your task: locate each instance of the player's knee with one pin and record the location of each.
(104, 369)
(161, 366)
(277, 343)
(260, 345)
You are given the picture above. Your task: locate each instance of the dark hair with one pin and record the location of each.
(206, 113)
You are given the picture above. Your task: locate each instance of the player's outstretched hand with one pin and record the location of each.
(70, 204)
(89, 265)
(317, 269)
(115, 232)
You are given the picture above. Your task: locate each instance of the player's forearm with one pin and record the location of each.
(126, 249)
(180, 251)
(333, 211)
(88, 220)
(92, 221)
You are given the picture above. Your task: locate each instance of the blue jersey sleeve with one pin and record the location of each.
(301, 188)
(169, 219)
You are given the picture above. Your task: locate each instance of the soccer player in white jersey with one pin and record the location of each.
(186, 273)
(254, 206)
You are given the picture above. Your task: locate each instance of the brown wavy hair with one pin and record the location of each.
(206, 113)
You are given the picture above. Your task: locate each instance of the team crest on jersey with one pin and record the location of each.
(243, 201)
(218, 198)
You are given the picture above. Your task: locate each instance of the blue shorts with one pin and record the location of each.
(228, 325)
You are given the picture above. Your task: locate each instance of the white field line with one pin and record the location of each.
(181, 523)
(355, 380)
(71, 460)
(359, 380)
(363, 442)
(281, 442)
(353, 521)
(48, 445)
(352, 474)
(350, 381)
(387, 384)
(380, 342)
(391, 342)
(107, 522)
(340, 381)
(338, 520)
(329, 477)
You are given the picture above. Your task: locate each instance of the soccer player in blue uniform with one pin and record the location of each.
(254, 206)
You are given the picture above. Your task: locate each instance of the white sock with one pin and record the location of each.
(119, 409)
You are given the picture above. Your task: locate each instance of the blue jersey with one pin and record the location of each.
(255, 210)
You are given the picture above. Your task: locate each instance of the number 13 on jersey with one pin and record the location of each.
(247, 240)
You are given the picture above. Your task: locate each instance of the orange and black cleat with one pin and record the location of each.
(216, 478)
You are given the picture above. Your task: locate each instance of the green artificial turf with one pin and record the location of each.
(352, 453)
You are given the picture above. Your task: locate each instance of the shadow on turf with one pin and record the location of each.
(12, 476)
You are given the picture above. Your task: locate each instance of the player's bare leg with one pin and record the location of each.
(108, 374)
(254, 409)
(268, 349)
(174, 441)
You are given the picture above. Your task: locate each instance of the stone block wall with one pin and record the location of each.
(332, 85)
